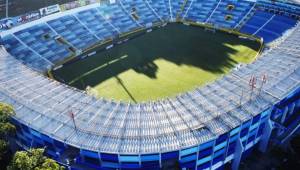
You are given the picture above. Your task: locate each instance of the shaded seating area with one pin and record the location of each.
(140, 12)
(42, 39)
(74, 32)
(97, 24)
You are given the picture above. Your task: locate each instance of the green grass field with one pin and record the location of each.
(160, 64)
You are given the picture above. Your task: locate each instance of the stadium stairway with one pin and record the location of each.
(200, 10)
(183, 6)
(176, 8)
(154, 11)
(238, 10)
(134, 16)
(267, 25)
(161, 7)
(97, 24)
(185, 9)
(73, 31)
(144, 15)
(44, 41)
(117, 17)
(24, 54)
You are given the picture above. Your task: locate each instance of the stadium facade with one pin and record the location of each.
(206, 128)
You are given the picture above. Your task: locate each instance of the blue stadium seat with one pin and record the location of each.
(267, 25)
(121, 20)
(73, 31)
(249, 29)
(96, 23)
(24, 54)
(42, 40)
(201, 10)
(145, 15)
(176, 8)
(241, 8)
(161, 7)
(268, 36)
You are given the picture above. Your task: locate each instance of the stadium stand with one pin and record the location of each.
(97, 24)
(115, 15)
(43, 40)
(281, 6)
(200, 11)
(176, 8)
(229, 13)
(70, 34)
(267, 25)
(256, 22)
(73, 31)
(161, 7)
(25, 54)
(140, 12)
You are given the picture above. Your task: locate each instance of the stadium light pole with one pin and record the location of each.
(241, 98)
(264, 81)
(6, 11)
(252, 84)
(72, 116)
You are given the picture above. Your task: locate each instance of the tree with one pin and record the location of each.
(33, 160)
(49, 164)
(3, 149)
(6, 128)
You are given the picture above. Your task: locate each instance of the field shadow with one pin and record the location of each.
(120, 81)
(149, 69)
(177, 43)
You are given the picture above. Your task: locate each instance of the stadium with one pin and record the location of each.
(153, 84)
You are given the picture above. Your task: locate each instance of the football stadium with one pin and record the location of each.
(152, 84)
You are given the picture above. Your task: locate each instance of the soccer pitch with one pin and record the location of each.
(160, 64)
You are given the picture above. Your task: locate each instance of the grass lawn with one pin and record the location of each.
(160, 64)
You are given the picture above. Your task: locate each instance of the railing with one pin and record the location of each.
(263, 25)
(181, 9)
(243, 20)
(213, 11)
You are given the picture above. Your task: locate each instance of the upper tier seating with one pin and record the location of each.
(200, 10)
(267, 25)
(43, 40)
(239, 10)
(144, 15)
(255, 22)
(115, 15)
(43, 45)
(280, 6)
(97, 24)
(73, 31)
(24, 54)
(176, 8)
(161, 7)
(53, 40)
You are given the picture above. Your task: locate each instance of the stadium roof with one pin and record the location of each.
(159, 126)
